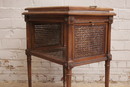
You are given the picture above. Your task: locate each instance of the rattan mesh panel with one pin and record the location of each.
(47, 34)
(89, 40)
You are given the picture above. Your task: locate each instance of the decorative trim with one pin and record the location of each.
(109, 56)
(26, 18)
(110, 20)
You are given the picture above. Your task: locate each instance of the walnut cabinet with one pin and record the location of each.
(69, 36)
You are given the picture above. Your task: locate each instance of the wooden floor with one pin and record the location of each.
(14, 84)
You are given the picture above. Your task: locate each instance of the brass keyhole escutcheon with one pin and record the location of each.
(92, 23)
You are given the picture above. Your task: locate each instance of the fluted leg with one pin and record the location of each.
(107, 72)
(29, 71)
(68, 77)
(64, 76)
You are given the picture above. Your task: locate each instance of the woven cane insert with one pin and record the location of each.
(47, 34)
(89, 40)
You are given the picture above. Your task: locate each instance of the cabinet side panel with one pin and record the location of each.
(89, 40)
(47, 34)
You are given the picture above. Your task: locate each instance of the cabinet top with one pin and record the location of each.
(69, 10)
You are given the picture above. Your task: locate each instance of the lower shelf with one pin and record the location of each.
(53, 54)
(58, 55)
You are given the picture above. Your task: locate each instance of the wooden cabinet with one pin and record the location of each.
(70, 36)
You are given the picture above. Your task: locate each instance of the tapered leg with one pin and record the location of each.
(107, 72)
(68, 77)
(29, 71)
(64, 76)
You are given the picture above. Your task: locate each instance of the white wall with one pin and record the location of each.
(13, 43)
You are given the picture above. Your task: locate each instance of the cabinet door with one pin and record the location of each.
(89, 40)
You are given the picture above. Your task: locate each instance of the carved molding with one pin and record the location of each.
(26, 18)
(110, 20)
(109, 56)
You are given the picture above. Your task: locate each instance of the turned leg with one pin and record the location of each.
(29, 70)
(107, 72)
(68, 77)
(64, 76)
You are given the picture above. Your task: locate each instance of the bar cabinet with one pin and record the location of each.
(70, 36)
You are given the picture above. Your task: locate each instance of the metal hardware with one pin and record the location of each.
(92, 6)
(92, 23)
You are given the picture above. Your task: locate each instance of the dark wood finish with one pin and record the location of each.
(69, 36)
